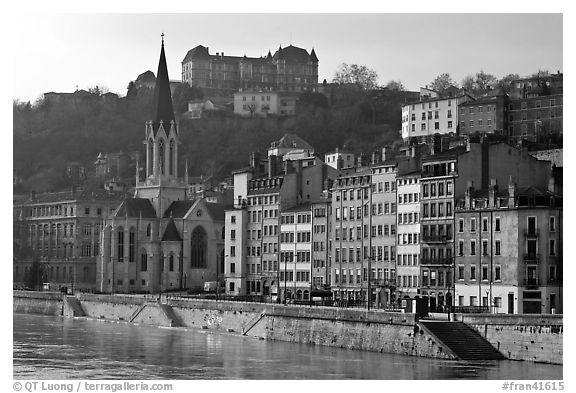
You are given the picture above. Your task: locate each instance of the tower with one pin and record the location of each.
(162, 185)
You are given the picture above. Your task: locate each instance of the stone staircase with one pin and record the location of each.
(462, 340)
(170, 315)
(72, 307)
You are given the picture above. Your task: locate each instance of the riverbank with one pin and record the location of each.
(379, 331)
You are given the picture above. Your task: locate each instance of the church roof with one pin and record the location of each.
(171, 233)
(136, 207)
(162, 103)
(216, 210)
(178, 209)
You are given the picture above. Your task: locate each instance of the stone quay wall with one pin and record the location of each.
(537, 338)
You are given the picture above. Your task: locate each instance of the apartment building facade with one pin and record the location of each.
(409, 191)
(486, 115)
(62, 231)
(509, 250)
(429, 116)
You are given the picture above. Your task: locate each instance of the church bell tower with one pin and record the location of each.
(162, 185)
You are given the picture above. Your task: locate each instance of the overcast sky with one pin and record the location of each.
(56, 52)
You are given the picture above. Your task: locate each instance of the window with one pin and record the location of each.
(497, 247)
(460, 247)
(473, 273)
(131, 244)
(87, 211)
(552, 224)
(199, 248)
(120, 244)
(472, 247)
(472, 225)
(497, 224)
(497, 273)
(460, 272)
(484, 247)
(144, 262)
(484, 273)
(552, 247)
(484, 224)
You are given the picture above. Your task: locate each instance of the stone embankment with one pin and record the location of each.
(399, 333)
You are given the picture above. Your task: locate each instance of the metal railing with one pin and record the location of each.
(532, 258)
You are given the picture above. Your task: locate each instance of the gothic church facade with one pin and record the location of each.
(158, 240)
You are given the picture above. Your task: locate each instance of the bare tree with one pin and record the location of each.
(360, 75)
(442, 82)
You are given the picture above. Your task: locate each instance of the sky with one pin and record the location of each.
(59, 52)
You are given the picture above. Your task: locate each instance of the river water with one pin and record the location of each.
(47, 347)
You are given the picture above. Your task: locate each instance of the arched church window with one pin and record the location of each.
(172, 153)
(131, 244)
(161, 156)
(120, 244)
(198, 248)
(150, 157)
(149, 230)
(171, 262)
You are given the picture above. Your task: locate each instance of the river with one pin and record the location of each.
(47, 347)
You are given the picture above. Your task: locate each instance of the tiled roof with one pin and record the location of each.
(293, 141)
(199, 52)
(171, 233)
(298, 208)
(292, 54)
(216, 210)
(178, 209)
(136, 207)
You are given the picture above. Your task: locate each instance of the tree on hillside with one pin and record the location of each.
(505, 83)
(395, 85)
(441, 83)
(184, 93)
(479, 83)
(360, 75)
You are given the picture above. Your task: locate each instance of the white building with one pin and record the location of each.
(431, 116)
(251, 103)
(340, 159)
(408, 202)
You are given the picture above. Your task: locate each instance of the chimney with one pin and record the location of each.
(384, 153)
(468, 195)
(32, 195)
(272, 166)
(413, 151)
(288, 167)
(360, 160)
(511, 193)
(217, 54)
(492, 193)
(375, 157)
(552, 184)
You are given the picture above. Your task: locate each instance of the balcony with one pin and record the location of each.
(434, 239)
(531, 282)
(531, 233)
(436, 261)
(532, 258)
(383, 283)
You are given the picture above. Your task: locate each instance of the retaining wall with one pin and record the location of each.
(46, 303)
(536, 338)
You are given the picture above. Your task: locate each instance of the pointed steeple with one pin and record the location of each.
(313, 55)
(162, 103)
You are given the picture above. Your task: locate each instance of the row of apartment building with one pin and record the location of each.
(534, 108)
(399, 229)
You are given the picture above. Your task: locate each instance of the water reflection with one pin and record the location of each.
(58, 348)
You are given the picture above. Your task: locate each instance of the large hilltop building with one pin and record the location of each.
(158, 240)
(290, 69)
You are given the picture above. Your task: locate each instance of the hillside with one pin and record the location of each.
(50, 133)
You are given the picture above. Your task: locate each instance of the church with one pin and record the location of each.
(159, 240)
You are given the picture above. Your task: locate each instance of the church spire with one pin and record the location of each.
(162, 103)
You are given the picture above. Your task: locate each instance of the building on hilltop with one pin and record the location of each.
(158, 240)
(432, 114)
(290, 69)
(261, 103)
